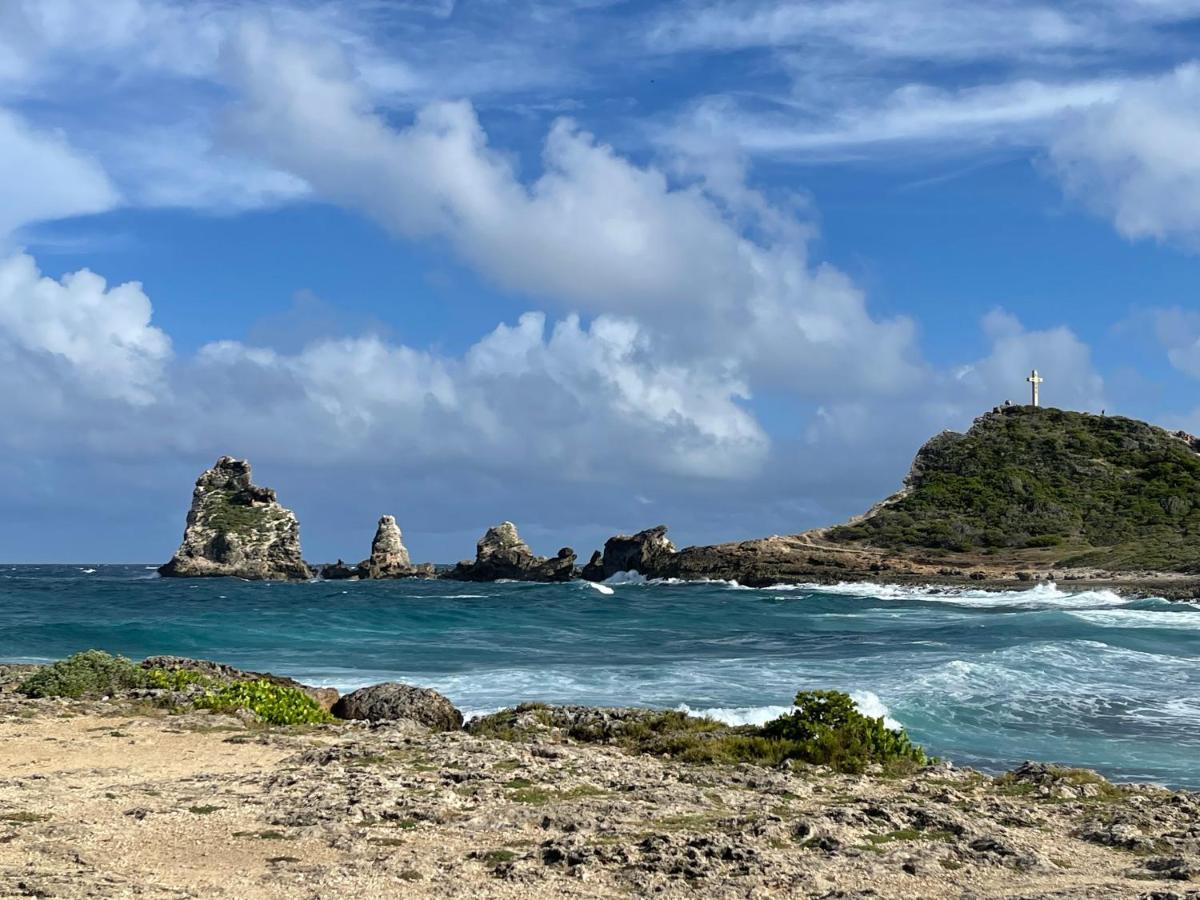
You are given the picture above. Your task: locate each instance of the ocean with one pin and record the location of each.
(983, 679)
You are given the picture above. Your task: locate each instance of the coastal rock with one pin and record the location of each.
(501, 554)
(325, 696)
(341, 571)
(647, 552)
(389, 557)
(392, 701)
(235, 527)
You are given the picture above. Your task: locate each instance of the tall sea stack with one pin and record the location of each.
(237, 528)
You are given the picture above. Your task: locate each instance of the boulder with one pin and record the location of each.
(648, 552)
(389, 557)
(501, 554)
(392, 701)
(235, 527)
(325, 696)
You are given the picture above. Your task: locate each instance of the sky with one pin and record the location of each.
(586, 265)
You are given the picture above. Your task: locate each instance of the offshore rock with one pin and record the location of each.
(341, 571)
(389, 556)
(648, 552)
(235, 527)
(393, 701)
(501, 554)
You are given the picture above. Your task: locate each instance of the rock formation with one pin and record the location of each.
(392, 701)
(235, 527)
(647, 552)
(389, 557)
(502, 554)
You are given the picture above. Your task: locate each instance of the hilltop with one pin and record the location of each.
(1026, 494)
(1094, 490)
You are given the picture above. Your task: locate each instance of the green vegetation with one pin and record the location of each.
(92, 673)
(825, 729)
(274, 704)
(828, 730)
(231, 511)
(1084, 489)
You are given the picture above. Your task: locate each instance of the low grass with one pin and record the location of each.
(273, 704)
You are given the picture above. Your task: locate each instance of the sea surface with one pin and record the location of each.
(983, 679)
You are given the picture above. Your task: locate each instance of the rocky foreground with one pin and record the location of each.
(109, 798)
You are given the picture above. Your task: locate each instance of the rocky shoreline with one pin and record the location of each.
(236, 528)
(131, 795)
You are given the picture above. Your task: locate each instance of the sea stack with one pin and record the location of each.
(501, 554)
(389, 556)
(237, 528)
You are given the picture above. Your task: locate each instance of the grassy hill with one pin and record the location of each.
(1092, 490)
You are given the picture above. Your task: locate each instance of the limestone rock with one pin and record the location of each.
(389, 556)
(235, 527)
(648, 552)
(502, 554)
(391, 701)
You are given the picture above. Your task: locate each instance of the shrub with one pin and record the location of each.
(274, 704)
(177, 679)
(92, 673)
(827, 729)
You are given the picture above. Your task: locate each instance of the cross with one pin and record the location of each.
(1035, 379)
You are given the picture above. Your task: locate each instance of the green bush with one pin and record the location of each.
(274, 704)
(92, 673)
(177, 679)
(827, 729)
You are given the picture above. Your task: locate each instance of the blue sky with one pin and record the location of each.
(585, 265)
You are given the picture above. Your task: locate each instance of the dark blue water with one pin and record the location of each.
(983, 679)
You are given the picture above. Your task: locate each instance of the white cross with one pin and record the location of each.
(1035, 379)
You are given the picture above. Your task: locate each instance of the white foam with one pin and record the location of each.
(1045, 595)
(1187, 618)
(638, 578)
(626, 578)
(602, 588)
(868, 704)
(88, 571)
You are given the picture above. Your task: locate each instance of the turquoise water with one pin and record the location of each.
(983, 679)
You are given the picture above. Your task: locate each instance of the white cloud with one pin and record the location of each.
(43, 177)
(1178, 331)
(593, 232)
(918, 30)
(99, 339)
(1136, 159)
(1020, 113)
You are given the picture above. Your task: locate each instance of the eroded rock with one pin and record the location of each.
(501, 554)
(392, 701)
(235, 527)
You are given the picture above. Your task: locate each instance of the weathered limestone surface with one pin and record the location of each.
(235, 527)
(501, 554)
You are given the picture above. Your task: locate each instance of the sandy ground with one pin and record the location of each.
(112, 800)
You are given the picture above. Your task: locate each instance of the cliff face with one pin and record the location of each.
(235, 527)
(1083, 489)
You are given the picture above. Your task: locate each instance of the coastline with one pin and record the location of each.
(116, 796)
